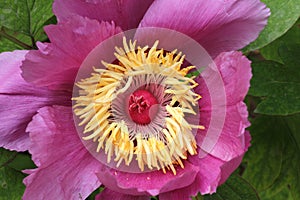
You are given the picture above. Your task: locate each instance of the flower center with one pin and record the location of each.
(140, 103)
(136, 111)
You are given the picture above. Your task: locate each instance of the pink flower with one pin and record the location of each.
(36, 91)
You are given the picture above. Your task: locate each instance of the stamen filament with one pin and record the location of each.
(166, 142)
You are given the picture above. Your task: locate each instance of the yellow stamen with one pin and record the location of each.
(93, 106)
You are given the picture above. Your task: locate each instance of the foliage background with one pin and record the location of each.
(271, 167)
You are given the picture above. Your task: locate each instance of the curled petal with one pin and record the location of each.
(213, 172)
(235, 72)
(150, 183)
(55, 64)
(19, 101)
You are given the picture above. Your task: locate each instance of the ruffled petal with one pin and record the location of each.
(66, 170)
(230, 166)
(205, 182)
(150, 183)
(125, 13)
(235, 72)
(212, 173)
(218, 25)
(55, 65)
(19, 101)
(108, 194)
(231, 142)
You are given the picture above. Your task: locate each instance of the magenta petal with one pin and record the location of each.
(55, 65)
(183, 193)
(150, 183)
(206, 181)
(230, 166)
(10, 63)
(217, 25)
(108, 194)
(19, 101)
(235, 72)
(231, 142)
(125, 13)
(212, 173)
(66, 170)
(209, 175)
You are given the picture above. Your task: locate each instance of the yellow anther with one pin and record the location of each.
(160, 150)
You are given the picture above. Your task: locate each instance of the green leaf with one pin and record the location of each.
(6, 157)
(285, 194)
(10, 41)
(287, 182)
(27, 16)
(292, 163)
(94, 194)
(292, 37)
(284, 14)
(15, 160)
(235, 188)
(11, 186)
(22, 161)
(22, 22)
(278, 84)
(264, 158)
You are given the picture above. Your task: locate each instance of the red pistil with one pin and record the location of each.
(140, 103)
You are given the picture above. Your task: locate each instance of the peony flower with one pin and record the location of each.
(119, 105)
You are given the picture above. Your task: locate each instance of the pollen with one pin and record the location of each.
(135, 110)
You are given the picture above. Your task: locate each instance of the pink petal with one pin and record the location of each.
(231, 142)
(19, 101)
(212, 173)
(108, 194)
(125, 13)
(150, 183)
(217, 25)
(206, 181)
(55, 65)
(66, 170)
(235, 72)
(209, 175)
(230, 166)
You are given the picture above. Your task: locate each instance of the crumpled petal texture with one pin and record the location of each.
(66, 170)
(213, 172)
(19, 101)
(151, 183)
(236, 73)
(62, 57)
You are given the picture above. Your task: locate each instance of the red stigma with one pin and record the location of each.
(140, 103)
